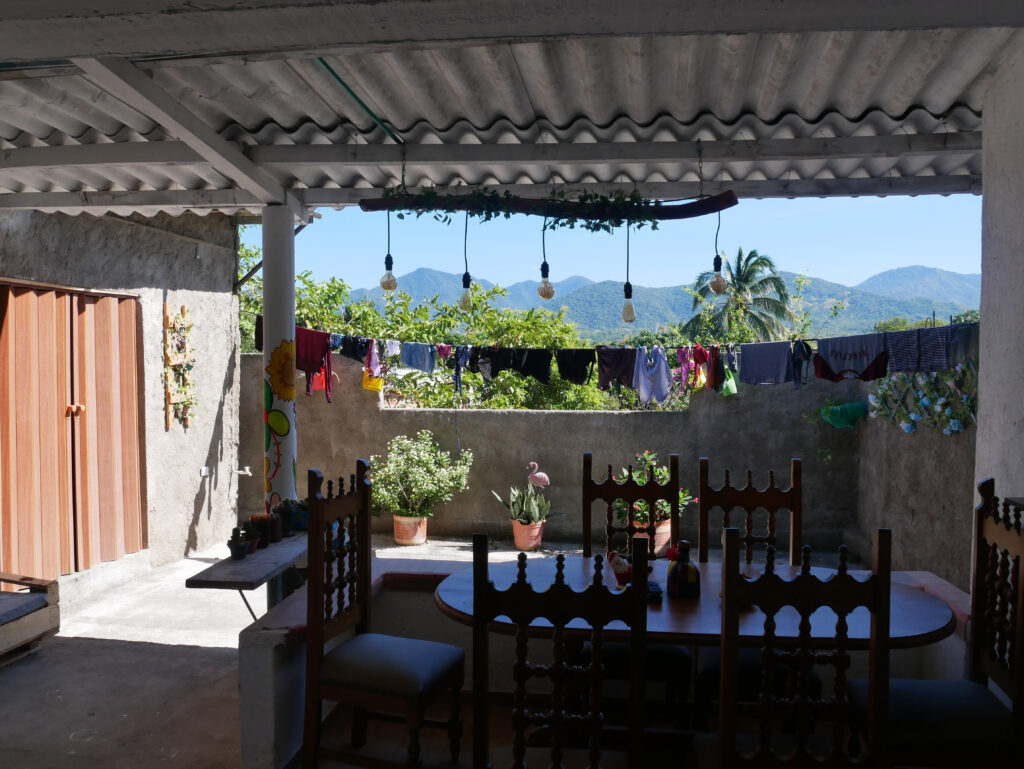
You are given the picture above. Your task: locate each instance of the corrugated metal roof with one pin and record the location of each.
(627, 90)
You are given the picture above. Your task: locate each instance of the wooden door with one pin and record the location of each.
(72, 491)
(36, 500)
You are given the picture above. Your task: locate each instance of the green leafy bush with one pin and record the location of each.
(647, 463)
(415, 475)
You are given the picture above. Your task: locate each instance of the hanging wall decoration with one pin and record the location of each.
(388, 281)
(179, 385)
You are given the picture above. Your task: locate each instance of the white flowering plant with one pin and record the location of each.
(416, 475)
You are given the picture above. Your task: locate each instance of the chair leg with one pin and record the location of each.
(311, 733)
(455, 723)
(413, 722)
(359, 721)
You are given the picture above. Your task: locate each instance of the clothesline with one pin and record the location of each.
(720, 367)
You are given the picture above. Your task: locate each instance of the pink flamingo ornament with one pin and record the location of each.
(537, 479)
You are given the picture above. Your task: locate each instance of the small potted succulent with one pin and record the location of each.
(646, 463)
(414, 476)
(238, 544)
(528, 508)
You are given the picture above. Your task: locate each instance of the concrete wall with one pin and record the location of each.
(922, 487)
(185, 260)
(1001, 409)
(761, 429)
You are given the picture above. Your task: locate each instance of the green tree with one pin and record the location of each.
(967, 316)
(755, 296)
(899, 323)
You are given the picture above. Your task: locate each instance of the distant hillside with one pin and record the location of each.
(596, 308)
(909, 282)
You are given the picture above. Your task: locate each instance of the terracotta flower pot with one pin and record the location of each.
(662, 535)
(409, 530)
(527, 536)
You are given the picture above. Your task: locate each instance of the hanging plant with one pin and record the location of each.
(179, 385)
(590, 211)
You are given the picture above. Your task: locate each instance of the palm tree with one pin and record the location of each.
(754, 295)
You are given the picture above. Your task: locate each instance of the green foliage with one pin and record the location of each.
(415, 475)
(756, 299)
(967, 316)
(526, 505)
(899, 323)
(647, 465)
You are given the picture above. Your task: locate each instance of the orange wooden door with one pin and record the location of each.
(72, 491)
(106, 435)
(36, 499)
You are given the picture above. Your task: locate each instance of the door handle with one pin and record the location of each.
(74, 409)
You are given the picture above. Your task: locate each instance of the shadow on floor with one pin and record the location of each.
(84, 702)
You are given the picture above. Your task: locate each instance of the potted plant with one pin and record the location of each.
(529, 509)
(412, 478)
(646, 463)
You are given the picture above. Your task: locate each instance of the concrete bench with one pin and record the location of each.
(26, 617)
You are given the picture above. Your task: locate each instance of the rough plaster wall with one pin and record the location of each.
(918, 485)
(761, 429)
(1000, 407)
(185, 260)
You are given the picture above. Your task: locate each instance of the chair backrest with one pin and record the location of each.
(771, 499)
(997, 597)
(559, 604)
(799, 704)
(338, 590)
(629, 491)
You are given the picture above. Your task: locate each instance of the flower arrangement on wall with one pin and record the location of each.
(179, 385)
(946, 401)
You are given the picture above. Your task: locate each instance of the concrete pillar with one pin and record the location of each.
(279, 440)
(1000, 442)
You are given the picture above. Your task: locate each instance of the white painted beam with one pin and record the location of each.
(122, 79)
(65, 29)
(142, 199)
(347, 155)
(115, 154)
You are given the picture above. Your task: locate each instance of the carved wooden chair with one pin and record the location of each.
(379, 675)
(629, 491)
(772, 499)
(793, 725)
(564, 718)
(962, 723)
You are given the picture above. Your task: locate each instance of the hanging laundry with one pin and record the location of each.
(700, 367)
(652, 376)
(422, 357)
(933, 348)
(258, 334)
(444, 350)
(393, 348)
(766, 363)
(615, 364)
(845, 415)
(486, 362)
(963, 344)
(851, 357)
(716, 368)
(903, 350)
(462, 353)
(336, 341)
(313, 354)
(683, 356)
(355, 347)
(802, 355)
(575, 365)
(531, 362)
(372, 360)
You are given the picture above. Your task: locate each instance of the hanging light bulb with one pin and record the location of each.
(465, 301)
(717, 283)
(545, 290)
(388, 281)
(628, 313)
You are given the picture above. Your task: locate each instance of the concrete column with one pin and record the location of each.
(1001, 358)
(279, 440)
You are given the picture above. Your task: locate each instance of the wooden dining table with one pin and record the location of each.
(917, 617)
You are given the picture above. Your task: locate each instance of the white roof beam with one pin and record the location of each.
(122, 79)
(85, 201)
(342, 155)
(161, 153)
(65, 29)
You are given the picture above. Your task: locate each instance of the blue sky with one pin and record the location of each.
(845, 240)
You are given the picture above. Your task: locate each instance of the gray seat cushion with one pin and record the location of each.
(941, 721)
(386, 664)
(15, 605)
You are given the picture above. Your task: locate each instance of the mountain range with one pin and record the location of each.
(595, 307)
